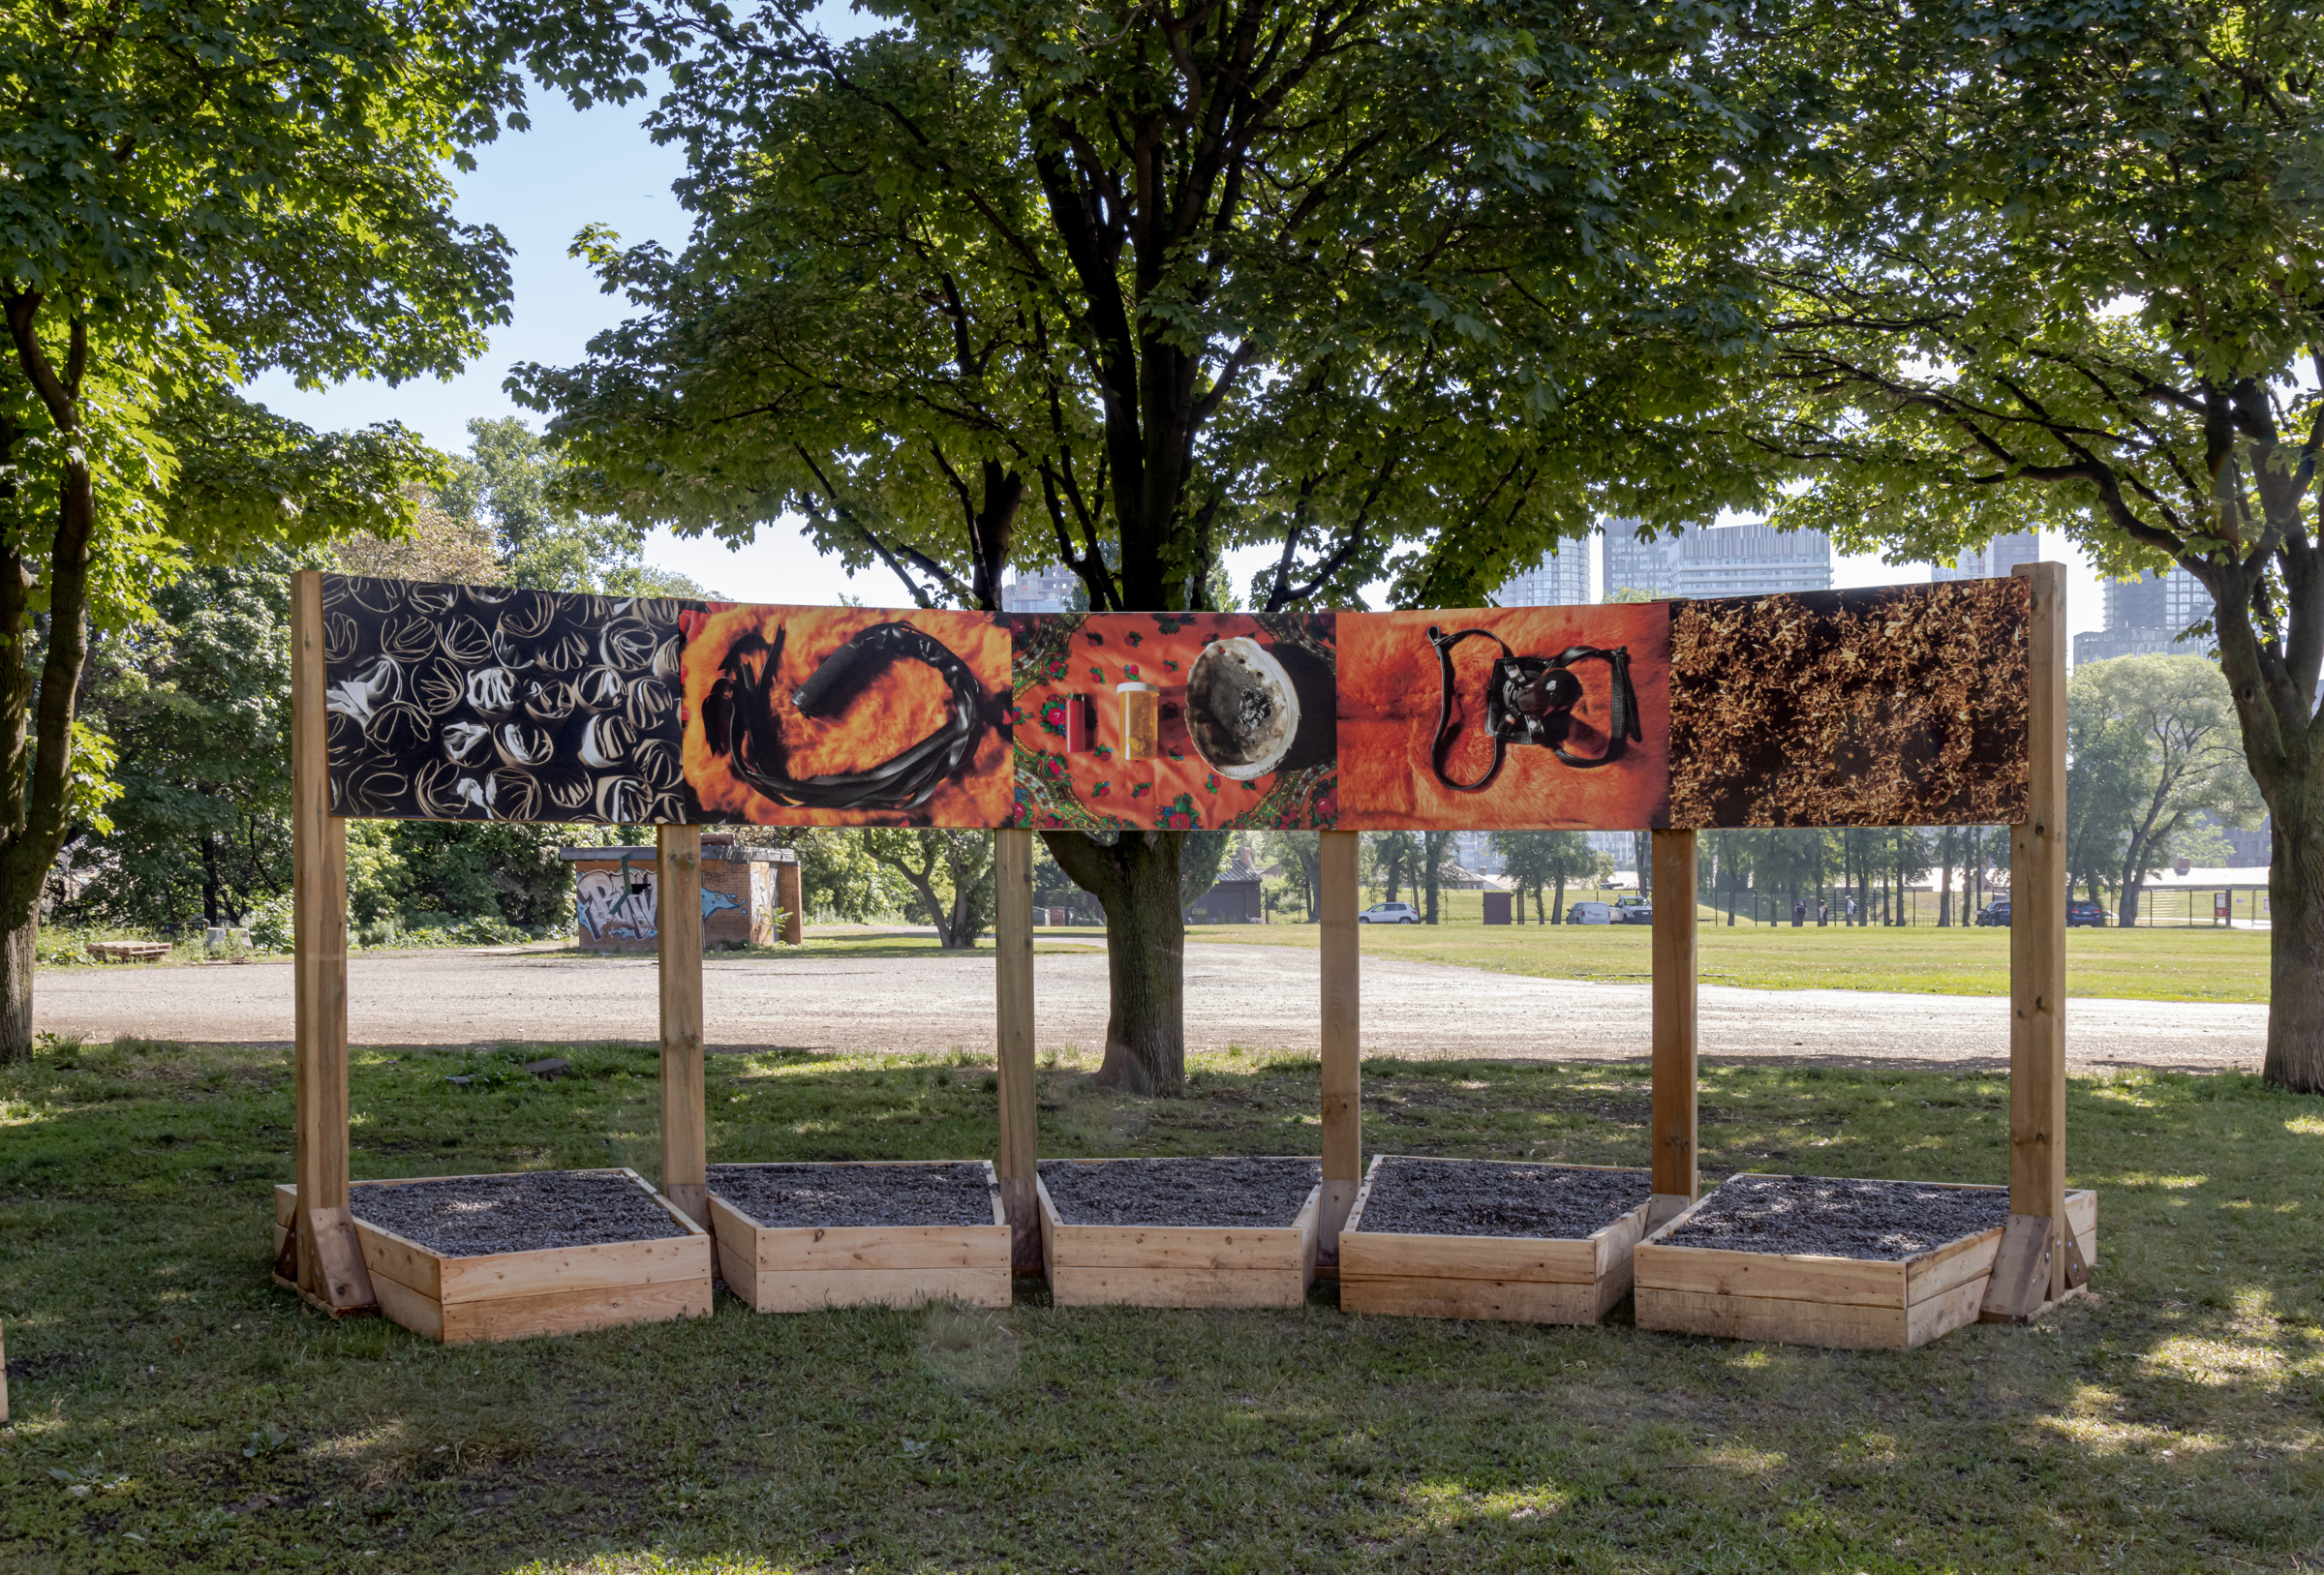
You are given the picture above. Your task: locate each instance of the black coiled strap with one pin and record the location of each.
(755, 744)
(1622, 722)
(1444, 644)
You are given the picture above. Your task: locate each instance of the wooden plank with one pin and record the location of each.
(405, 1262)
(1049, 1231)
(1952, 1265)
(1161, 1247)
(1618, 1243)
(1943, 1313)
(737, 1237)
(1674, 1048)
(286, 1204)
(401, 1305)
(1342, 1031)
(1782, 1318)
(1017, 1152)
(1083, 1286)
(678, 920)
(319, 944)
(2082, 1214)
(1513, 1301)
(809, 1290)
(1793, 1276)
(2037, 927)
(929, 1247)
(1516, 1259)
(577, 1311)
(599, 1266)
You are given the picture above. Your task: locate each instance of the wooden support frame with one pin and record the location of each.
(326, 1261)
(1341, 967)
(2038, 930)
(678, 924)
(1677, 1180)
(1015, 1165)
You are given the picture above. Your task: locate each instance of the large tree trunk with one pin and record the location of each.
(1135, 879)
(2295, 1056)
(15, 988)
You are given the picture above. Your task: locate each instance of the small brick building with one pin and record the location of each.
(750, 895)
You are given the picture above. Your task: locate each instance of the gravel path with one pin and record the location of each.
(1261, 996)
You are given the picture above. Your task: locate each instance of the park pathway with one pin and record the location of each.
(1258, 996)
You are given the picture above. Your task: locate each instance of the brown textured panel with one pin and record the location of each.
(1902, 705)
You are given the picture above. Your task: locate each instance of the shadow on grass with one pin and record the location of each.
(203, 1421)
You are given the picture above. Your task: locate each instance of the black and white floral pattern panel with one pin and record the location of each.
(485, 703)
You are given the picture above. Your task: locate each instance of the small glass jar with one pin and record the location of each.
(1141, 720)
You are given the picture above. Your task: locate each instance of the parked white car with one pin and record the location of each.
(1390, 913)
(1591, 913)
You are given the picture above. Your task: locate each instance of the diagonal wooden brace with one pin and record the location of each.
(2020, 1283)
(343, 1281)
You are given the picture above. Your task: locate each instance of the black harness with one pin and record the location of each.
(739, 719)
(1531, 700)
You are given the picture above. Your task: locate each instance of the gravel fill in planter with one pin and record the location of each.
(471, 1216)
(1250, 1193)
(781, 1196)
(1456, 1197)
(1882, 1221)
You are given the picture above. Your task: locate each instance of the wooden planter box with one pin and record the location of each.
(513, 1295)
(803, 1269)
(1520, 1279)
(1870, 1304)
(1146, 1265)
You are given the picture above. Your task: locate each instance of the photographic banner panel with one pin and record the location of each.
(1175, 721)
(1902, 705)
(1506, 718)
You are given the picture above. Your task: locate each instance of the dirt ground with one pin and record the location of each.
(1260, 997)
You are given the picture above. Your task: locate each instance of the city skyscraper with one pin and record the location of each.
(2144, 616)
(1715, 561)
(1044, 590)
(1994, 560)
(1561, 579)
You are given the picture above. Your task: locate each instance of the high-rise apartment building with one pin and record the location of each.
(2144, 616)
(1753, 561)
(1994, 560)
(1044, 590)
(1715, 561)
(1561, 579)
(1630, 563)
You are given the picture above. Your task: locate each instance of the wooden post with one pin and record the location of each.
(1676, 1182)
(790, 899)
(677, 931)
(2038, 930)
(1013, 1041)
(327, 1260)
(1336, 901)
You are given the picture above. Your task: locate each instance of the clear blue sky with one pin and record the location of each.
(578, 167)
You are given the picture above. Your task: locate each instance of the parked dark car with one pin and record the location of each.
(2089, 915)
(1996, 913)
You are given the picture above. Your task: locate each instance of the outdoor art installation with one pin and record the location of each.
(1901, 705)
(1909, 705)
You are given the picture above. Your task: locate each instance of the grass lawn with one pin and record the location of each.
(2134, 964)
(174, 1412)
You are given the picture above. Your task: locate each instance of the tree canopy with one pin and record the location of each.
(2063, 265)
(1407, 290)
